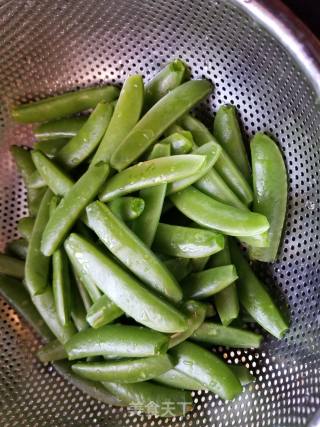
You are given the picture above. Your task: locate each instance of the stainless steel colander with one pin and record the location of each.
(48, 47)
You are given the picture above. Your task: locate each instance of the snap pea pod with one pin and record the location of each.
(85, 297)
(36, 180)
(226, 301)
(208, 282)
(127, 208)
(211, 151)
(124, 371)
(125, 291)
(35, 196)
(243, 374)
(71, 206)
(11, 266)
(175, 378)
(165, 112)
(129, 249)
(254, 296)
(216, 215)
(225, 167)
(146, 225)
(116, 340)
(180, 142)
(63, 128)
(102, 312)
(52, 351)
(25, 226)
(87, 139)
(213, 333)
(196, 314)
(186, 242)
(270, 192)
(78, 310)
(50, 147)
(198, 264)
(167, 79)
(179, 267)
(166, 401)
(210, 310)
(126, 114)
(227, 131)
(54, 177)
(24, 163)
(208, 369)
(37, 264)
(61, 286)
(59, 106)
(150, 173)
(86, 282)
(18, 248)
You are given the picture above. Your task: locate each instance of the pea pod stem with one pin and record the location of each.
(63, 128)
(102, 312)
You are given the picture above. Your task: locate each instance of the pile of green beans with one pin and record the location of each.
(130, 255)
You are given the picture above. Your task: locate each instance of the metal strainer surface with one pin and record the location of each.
(48, 47)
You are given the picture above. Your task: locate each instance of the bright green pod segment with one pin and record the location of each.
(179, 267)
(55, 178)
(102, 312)
(176, 379)
(206, 368)
(36, 180)
(35, 196)
(167, 79)
(180, 142)
(126, 114)
(208, 282)
(87, 139)
(210, 213)
(186, 242)
(61, 286)
(126, 371)
(213, 333)
(243, 374)
(118, 341)
(51, 352)
(71, 206)
(270, 184)
(24, 163)
(127, 208)
(131, 251)
(165, 112)
(11, 266)
(198, 264)
(255, 298)
(145, 226)
(25, 226)
(85, 297)
(50, 147)
(84, 281)
(140, 395)
(227, 131)
(17, 248)
(150, 173)
(124, 290)
(78, 309)
(63, 128)
(64, 105)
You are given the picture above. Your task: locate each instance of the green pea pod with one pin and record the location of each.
(225, 167)
(102, 312)
(64, 105)
(261, 240)
(208, 282)
(127, 208)
(243, 374)
(24, 163)
(78, 310)
(11, 266)
(198, 264)
(165, 112)
(71, 206)
(175, 378)
(50, 147)
(146, 225)
(150, 173)
(54, 177)
(210, 213)
(227, 131)
(37, 264)
(17, 248)
(124, 371)
(51, 352)
(129, 249)
(208, 369)
(180, 142)
(171, 76)
(61, 286)
(25, 226)
(36, 180)
(116, 340)
(124, 290)
(210, 310)
(186, 242)
(226, 301)
(126, 114)
(87, 139)
(213, 333)
(255, 298)
(85, 297)
(196, 314)
(179, 267)
(270, 192)
(87, 283)
(152, 398)
(212, 152)
(63, 128)
(35, 196)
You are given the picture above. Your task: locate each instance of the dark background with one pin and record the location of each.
(308, 11)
